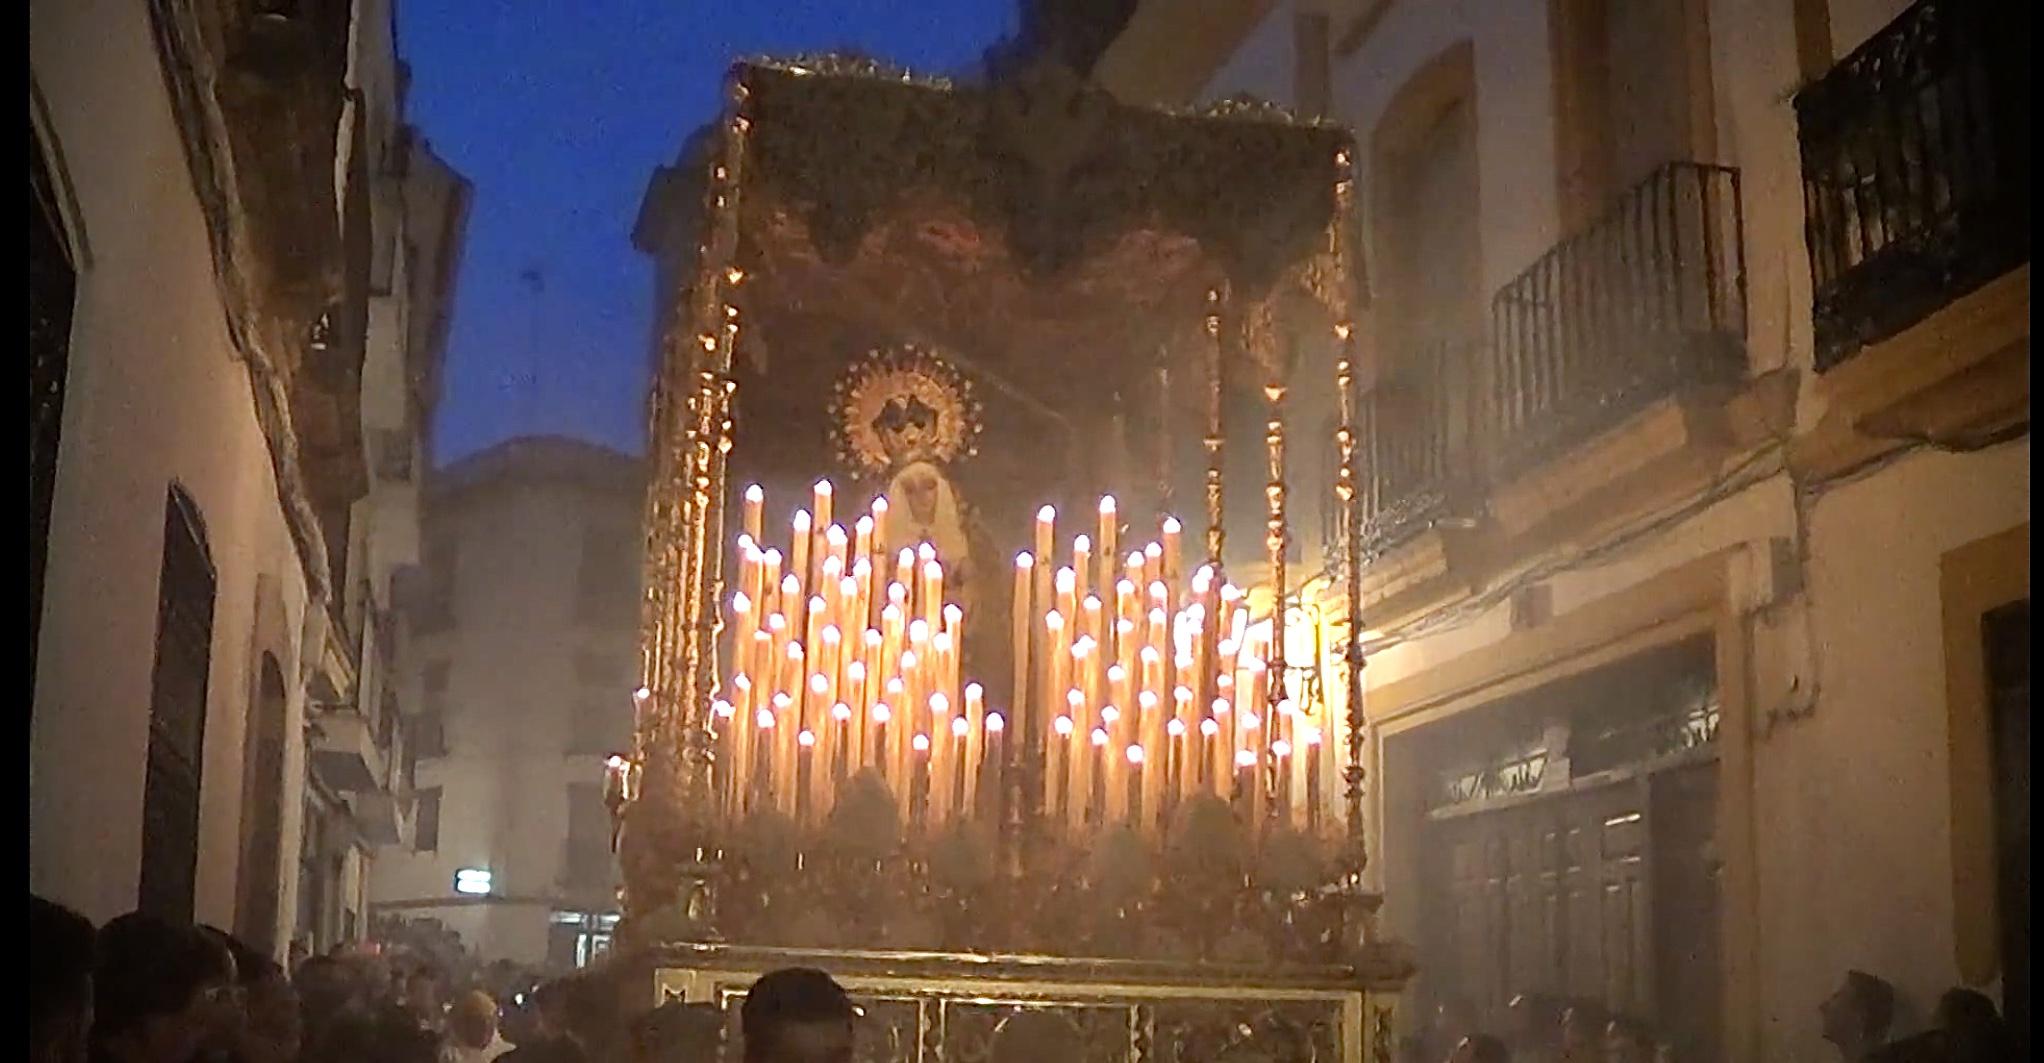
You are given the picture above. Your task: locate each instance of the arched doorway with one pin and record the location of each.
(262, 821)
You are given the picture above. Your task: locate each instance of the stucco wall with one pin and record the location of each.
(155, 396)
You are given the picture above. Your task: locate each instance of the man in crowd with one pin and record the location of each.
(159, 990)
(472, 1035)
(797, 1015)
(60, 948)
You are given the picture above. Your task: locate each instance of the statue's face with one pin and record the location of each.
(920, 487)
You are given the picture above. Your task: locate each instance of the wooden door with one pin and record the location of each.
(1687, 883)
(2007, 632)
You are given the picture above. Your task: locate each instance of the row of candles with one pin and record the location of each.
(1143, 684)
(844, 657)
(1155, 685)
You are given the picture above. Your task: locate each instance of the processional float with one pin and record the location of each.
(943, 697)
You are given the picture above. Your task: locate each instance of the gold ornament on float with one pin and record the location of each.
(902, 405)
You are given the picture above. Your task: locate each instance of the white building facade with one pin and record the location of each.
(523, 643)
(1697, 448)
(201, 497)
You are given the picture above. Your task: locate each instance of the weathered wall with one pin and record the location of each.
(156, 396)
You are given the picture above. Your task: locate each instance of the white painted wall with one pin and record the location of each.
(155, 396)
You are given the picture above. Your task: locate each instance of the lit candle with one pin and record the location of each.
(1281, 792)
(1057, 653)
(1311, 739)
(820, 496)
(761, 795)
(919, 778)
(862, 539)
(1153, 563)
(785, 724)
(805, 796)
(755, 506)
(959, 760)
(770, 582)
(904, 573)
(835, 544)
(883, 754)
(738, 760)
(840, 755)
(1082, 564)
(943, 750)
(815, 777)
(1096, 779)
(931, 594)
(993, 771)
(1173, 551)
(1246, 788)
(1059, 782)
(798, 557)
(1133, 811)
(1174, 769)
(1208, 728)
(1019, 641)
(1046, 526)
(1110, 530)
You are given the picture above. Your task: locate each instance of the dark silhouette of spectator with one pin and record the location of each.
(264, 1027)
(472, 1035)
(1480, 1048)
(1972, 1027)
(1628, 1040)
(60, 952)
(797, 1015)
(159, 988)
(1856, 1016)
(1535, 1028)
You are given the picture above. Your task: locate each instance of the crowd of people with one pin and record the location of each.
(147, 990)
(1857, 1020)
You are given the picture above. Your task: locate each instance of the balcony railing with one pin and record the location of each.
(1406, 426)
(1647, 301)
(1916, 170)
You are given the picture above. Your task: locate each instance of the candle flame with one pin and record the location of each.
(1171, 526)
(791, 585)
(802, 520)
(832, 567)
(908, 659)
(1053, 620)
(754, 493)
(881, 713)
(806, 738)
(1081, 545)
(1159, 591)
(1106, 503)
(782, 700)
(1209, 728)
(615, 761)
(973, 692)
(995, 724)
(1066, 580)
(1220, 706)
(864, 525)
(1135, 559)
(764, 720)
(1074, 698)
(1311, 736)
(905, 558)
(840, 711)
(818, 684)
(1153, 551)
(772, 556)
(862, 568)
(1116, 673)
(1281, 748)
(939, 704)
(742, 681)
(1147, 700)
(745, 543)
(794, 651)
(1110, 715)
(1099, 737)
(872, 638)
(1245, 758)
(723, 709)
(926, 552)
(953, 614)
(959, 726)
(1175, 728)
(921, 743)
(1181, 694)
(831, 635)
(918, 631)
(816, 603)
(641, 694)
(740, 603)
(1024, 560)
(847, 587)
(1135, 755)
(1249, 721)
(1092, 603)
(1062, 725)
(879, 506)
(856, 671)
(1124, 626)
(894, 686)
(1046, 514)
(823, 488)
(1125, 587)
(1288, 707)
(835, 536)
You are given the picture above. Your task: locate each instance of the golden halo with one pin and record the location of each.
(902, 404)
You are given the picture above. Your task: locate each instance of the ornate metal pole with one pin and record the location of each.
(1217, 366)
(1276, 535)
(667, 844)
(1345, 489)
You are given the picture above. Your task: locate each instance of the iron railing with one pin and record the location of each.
(1916, 170)
(1407, 428)
(1648, 300)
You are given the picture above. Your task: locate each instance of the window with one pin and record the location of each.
(52, 287)
(262, 821)
(426, 822)
(177, 714)
(474, 881)
(608, 579)
(2006, 632)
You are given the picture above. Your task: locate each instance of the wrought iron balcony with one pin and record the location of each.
(1916, 170)
(1648, 301)
(1407, 428)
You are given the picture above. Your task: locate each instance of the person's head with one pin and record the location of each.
(264, 1024)
(159, 989)
(676, 1032)
(1972, 1027)
(797, 1015)
(550, 1008)
(1480, 1048)
(589, 1009)
(60, 945)
(422, 992)
(1858, 1012)
(472, 1021)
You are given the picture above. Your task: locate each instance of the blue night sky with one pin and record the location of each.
(558, 111)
